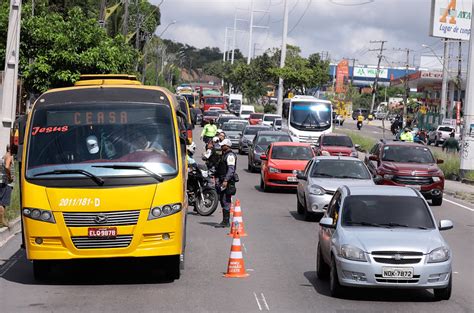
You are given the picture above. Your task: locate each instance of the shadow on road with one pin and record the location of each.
(298, 217)
(120, 271)
(371, 294)
(276, 190)
(212, 224)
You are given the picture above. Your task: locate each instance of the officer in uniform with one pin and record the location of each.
(226, 180)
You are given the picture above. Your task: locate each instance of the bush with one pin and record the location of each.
(450, 166)
(269, 108)
(365, 143)
(13, 210)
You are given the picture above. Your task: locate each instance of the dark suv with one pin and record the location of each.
(356, 112)
(260, 144)
(407, 164)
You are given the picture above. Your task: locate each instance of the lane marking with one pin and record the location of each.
(459, 205)
(456, 272)
(258, 302)
(245, 249)
(265, 302)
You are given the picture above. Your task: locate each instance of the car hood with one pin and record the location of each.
(331, 184)
(411, 168)
(298, 165)
(392, 239)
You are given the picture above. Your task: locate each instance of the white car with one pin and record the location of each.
(441, 134)
(269, 118)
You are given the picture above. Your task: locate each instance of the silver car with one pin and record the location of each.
(383, 236)
(233, 131)
(321, 178)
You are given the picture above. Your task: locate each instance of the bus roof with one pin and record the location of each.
(106, 79)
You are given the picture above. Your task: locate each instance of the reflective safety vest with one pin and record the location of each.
(406, 136)
(360, 118)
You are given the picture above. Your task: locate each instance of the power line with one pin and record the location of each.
(301, 17)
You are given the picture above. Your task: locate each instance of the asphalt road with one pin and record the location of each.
(279, 255)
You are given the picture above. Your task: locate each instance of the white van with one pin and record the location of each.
(246, 110)
(235, 101)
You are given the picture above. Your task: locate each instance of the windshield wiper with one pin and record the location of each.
(402, 225)
(99, 181)
(156, 176)
(351, 177)
(364, 224)
(323, 175)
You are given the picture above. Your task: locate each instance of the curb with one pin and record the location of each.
(6, 233)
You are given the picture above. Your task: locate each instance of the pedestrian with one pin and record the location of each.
(226, 179)
(406, 135)
(451, 144)
(209, 131)
(6, 179)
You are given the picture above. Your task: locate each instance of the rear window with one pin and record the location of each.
(254, 130)
(343, 141)
(270, 118)
(246, 112)
(446, 129)
(256, 115)
(292, 153)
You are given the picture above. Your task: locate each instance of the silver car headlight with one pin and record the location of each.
(162, 211)
(353, 253)
(440, 254)
(39, 215)
(316, 190)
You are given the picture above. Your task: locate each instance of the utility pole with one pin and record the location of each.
(125, 18)
(103, 6)
(444, 86)
(249, 56)
(459, 79)
(10, 82)
(406, 94)
(282, 58)
(374, 91)
(467, 144)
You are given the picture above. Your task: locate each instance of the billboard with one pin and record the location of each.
(370, 72)
(342, 73)
(451, 19)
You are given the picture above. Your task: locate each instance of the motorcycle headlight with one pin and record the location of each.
(440, 254)
(39, 215)
(163, 211)
(273, 170)
(316, 190)
(353, 253)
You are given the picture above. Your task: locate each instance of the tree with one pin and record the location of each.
(65, 47)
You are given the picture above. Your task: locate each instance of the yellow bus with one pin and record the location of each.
(103, 175)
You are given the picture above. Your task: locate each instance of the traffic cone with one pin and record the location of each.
(237, 225)
(232, 206)
(236, 266)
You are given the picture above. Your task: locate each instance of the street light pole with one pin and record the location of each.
(282, 58)
(444, 86)
(467, 145)
(166, 28)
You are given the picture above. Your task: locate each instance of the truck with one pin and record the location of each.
(235, 101)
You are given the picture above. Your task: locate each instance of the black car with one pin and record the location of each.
(248, 135)
(224, 118)
(260, 143)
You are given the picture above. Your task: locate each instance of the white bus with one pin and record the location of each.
(306, 118)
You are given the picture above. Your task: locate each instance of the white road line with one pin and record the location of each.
(245, 249)
(265, 302)
(459, 205)
(258, 303)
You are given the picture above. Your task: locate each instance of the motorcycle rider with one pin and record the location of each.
(360, 119)
(226, 180)
(209, 131)
(406, 135)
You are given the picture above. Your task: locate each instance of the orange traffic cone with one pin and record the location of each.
(237, 225)
(236, 266)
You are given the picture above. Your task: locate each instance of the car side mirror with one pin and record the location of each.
(263, 157)
(327, 222)
(378, 179)
(445, 225)
(373, 158)
(439, 161)
(301, 175)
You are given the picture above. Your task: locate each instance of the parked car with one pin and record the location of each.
(248, 134)
(407, 164)
(208, 116)
(281, 161)
(321, 178)
(255, 118)
(384, 237)
(336, 144)
(260, 144)
(357, 112)
(269, 118)
(439, 135)
(233, 131)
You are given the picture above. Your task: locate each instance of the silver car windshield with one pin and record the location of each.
(340, 169)
(386, 211)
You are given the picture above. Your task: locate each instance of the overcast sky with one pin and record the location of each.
(315, 26)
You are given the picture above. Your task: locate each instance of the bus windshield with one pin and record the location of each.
(84, 136)
(310, 115)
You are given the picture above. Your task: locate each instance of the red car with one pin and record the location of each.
(255, 118)
(280, 163)
(336, 145)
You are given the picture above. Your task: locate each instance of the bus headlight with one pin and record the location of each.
(39, 215)
(163, 211)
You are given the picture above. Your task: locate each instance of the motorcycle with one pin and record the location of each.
(359, 125)
(201, 191)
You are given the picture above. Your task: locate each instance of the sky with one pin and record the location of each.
(314, 26)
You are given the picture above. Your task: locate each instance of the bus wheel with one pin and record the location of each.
(41, 270)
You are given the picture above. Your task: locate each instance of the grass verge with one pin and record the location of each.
(13, 210)
(365, 143)
(450, 166)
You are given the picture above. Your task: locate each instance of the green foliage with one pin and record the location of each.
(13, 210)
(65, 47)
(451, 164)
(269, 108)
(365, 143)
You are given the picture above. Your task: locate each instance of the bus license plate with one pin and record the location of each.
(397, 272)
(292, 179)
(108, 232)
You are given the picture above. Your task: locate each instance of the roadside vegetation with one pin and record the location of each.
(13, 210)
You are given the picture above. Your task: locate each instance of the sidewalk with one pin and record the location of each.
(6, 233)
(459, 190)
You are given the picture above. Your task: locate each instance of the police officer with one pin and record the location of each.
(226, 180)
